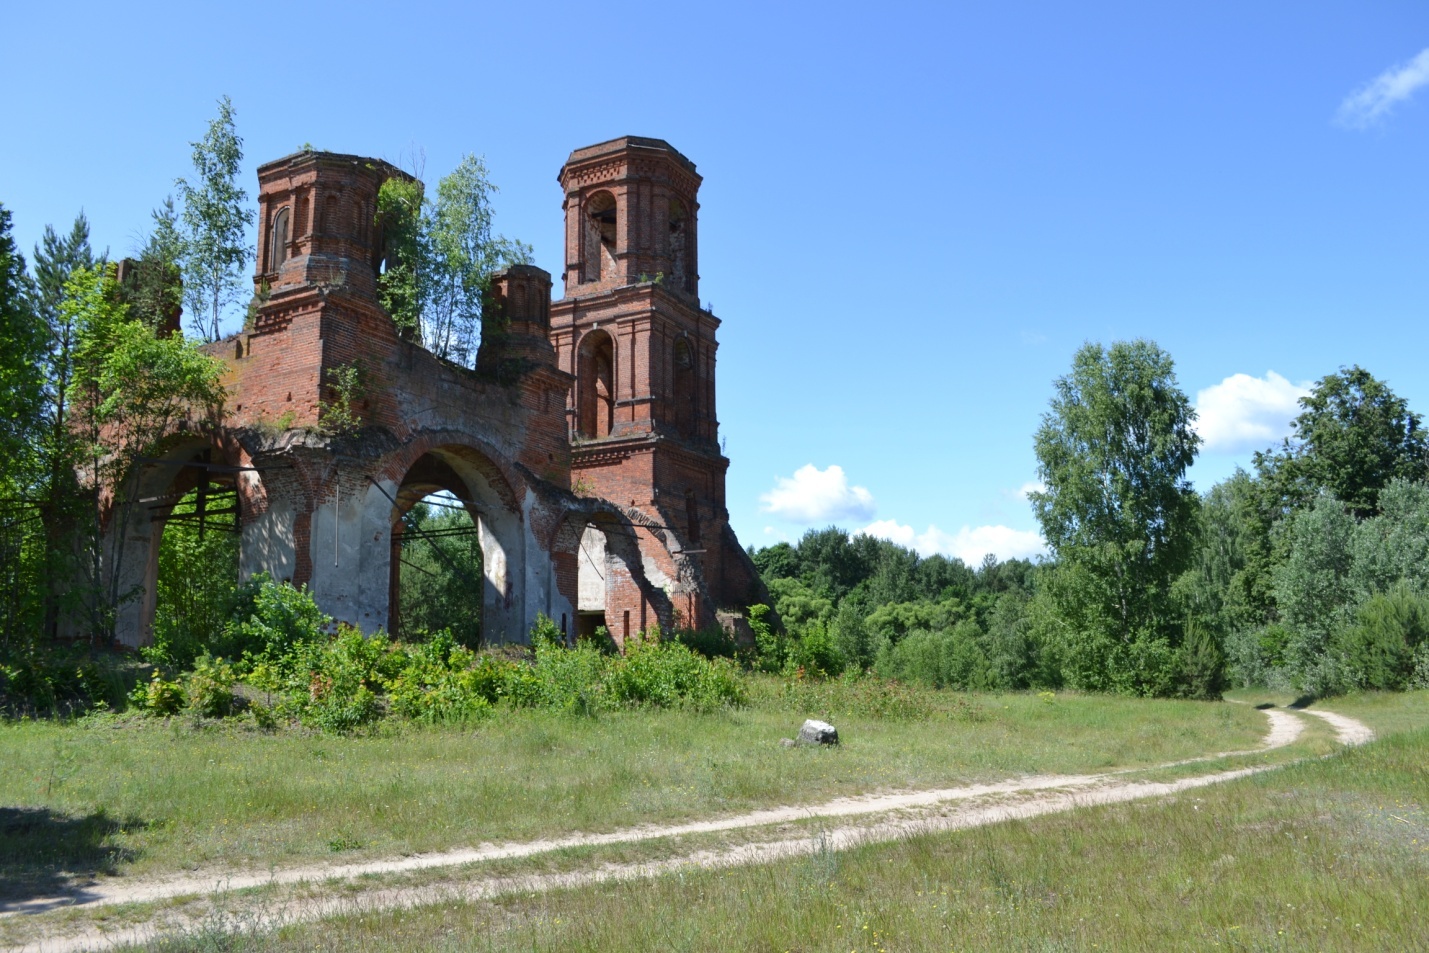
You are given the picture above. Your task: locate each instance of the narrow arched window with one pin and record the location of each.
(679, 246)
(595, 385)
(599, 236)
(278, 240)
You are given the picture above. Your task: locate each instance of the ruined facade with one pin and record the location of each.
(584, 445)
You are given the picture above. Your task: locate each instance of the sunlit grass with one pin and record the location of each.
(1328, 854)
(146, 795)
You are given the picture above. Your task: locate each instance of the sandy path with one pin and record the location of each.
(909, 813)
(1348, 731)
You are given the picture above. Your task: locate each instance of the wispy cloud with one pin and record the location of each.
(970, 544)
(1032, 486)
(1247, 413)
(1371, 102)
(812, 496)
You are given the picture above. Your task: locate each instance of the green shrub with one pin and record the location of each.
(951, 658)
(160, 696)
(713, 641)
(208, 689)
(439, 683)
(1378, 652)
(659, 674)
(281, 620)
(816, 652)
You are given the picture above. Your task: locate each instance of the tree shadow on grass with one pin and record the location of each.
(47, 859)
(1304, 701)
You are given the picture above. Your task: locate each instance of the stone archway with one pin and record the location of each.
(211, 468)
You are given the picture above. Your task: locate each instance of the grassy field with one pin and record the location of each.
(143, 796)
(1328, 854)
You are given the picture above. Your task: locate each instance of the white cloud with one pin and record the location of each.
(1381, 94)
(1032, 486)
(970, 544)
(1247, 413)
(817, 496)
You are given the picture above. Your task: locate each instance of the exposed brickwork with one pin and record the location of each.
(628, 346)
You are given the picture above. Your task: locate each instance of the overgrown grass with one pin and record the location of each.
(1328, 854)
(179, 793)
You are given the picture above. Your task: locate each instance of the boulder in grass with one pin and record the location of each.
(818, 733)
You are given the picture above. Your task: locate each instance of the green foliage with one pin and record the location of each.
(216, 218)
(442, 578)
(399, 210)
(950, 658)
(160, 696)
(282, 625)
(1352, 439)
(1312, 591)
(1379, 650)
(198, 592)
(208, 687)
(339, 414)
(817, 653)
(1118, 511)
(439, 258)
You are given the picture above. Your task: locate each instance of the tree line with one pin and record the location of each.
(1309, 571)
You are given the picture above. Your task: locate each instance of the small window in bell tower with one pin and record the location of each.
(600, 237)
(679, 246)
(278, 240)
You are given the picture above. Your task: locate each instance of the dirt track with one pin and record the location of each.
(903, 814)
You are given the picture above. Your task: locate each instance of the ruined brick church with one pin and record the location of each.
(584, 445)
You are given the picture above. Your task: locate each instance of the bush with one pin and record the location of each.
(1378, 652)
(208, 689)
(160, 696)
(281, 619)
(947, 659)
(666, 674)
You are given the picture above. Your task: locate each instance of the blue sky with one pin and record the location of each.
(912, 215)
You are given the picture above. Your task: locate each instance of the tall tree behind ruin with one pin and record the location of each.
(22, 342)
(215, 217)
(56, 260)
(463, 254)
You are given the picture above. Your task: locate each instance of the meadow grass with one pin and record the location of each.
(1328, 854)
(133, 795)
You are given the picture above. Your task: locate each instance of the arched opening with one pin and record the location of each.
(592, 579)
(612, 589)
(171, 549)
(679, 246)
(438, 548)
(600, 219)
(684, 386)
(454, 558)
(595, 385)
(278, 240)
(196, 583)
(331, 224)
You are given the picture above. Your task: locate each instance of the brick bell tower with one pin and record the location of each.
(641, 415)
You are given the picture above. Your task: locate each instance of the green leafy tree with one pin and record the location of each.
(464, 254)
(57, 258)
(216, 219)
(130, 388)
(1313, 590)
(22, 348)
(441, 575)
(155, 293)
(1118, 511)
(439, 256)
(1352, 438)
